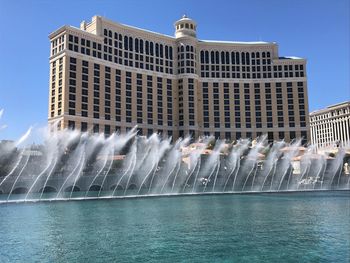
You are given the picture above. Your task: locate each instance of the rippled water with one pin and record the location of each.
(288, 227)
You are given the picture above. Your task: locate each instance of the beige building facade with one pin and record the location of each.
(330, 127)
(106, 76)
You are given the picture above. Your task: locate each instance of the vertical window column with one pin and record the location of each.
(107, 93)
(248, 120)
(268, 102)
(227, 108)
(139, 97)
(108, 45)
(53, 89)
(301, 101)
(160, 101)
(237, 105)
(149, 102)
(216, 104)
(191, 115)
(118, 99)
(96, 98)
(84, 88)
(128, 96)
(60, 83)
(168, 59)
(169, 102)
(205, 94)
(279, 102)
(72, 86)
(181, 105)
(257, 98)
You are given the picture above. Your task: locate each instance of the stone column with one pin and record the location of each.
(347, 124)
(337, 128)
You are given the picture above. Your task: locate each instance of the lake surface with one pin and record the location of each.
(286, 227)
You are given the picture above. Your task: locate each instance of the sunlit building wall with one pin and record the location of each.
(106, 76)
(330, 127)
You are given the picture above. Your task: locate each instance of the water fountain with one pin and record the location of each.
(72, 166)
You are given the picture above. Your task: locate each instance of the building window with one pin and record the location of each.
(83, 127)
(71, 125)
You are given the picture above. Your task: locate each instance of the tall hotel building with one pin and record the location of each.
(106, 76)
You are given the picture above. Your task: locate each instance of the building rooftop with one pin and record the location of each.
(59, 30)
(331, 107)
(290, 57)
(240, 42)
(339, 104)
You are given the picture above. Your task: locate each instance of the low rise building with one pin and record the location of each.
(330, 127)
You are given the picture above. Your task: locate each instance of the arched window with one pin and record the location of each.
(191, 26)
(247, 58)
(243, 58)
(186, 26)
(212, 57)
(161, 50)
(182, 25)
(257, 55)
(130, 43)
(187, 48)
(263, 55)
(237, 58)
(141, 46)
(233, 57)
(105, 32)
(115, 35)
(136, 44)
(217, 57)
(202, 56)
(253, 55)
(151, 51)
(227, 54)
(126, 42)
(171, 52)
(207, 57)
(166, 52)
(268, 54)
(147, 47)
(110, 33)
(223, 57)
(157, 50)
(182, 49)
(192, 49)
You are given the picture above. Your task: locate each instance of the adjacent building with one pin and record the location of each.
(330, 127)
(106, 76)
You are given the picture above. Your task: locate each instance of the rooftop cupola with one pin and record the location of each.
(185, 27)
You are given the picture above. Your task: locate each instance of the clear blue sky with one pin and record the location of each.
(317, 30)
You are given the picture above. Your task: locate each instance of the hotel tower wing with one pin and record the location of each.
(106, 76)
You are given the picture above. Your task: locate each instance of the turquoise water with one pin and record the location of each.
(288, 227)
